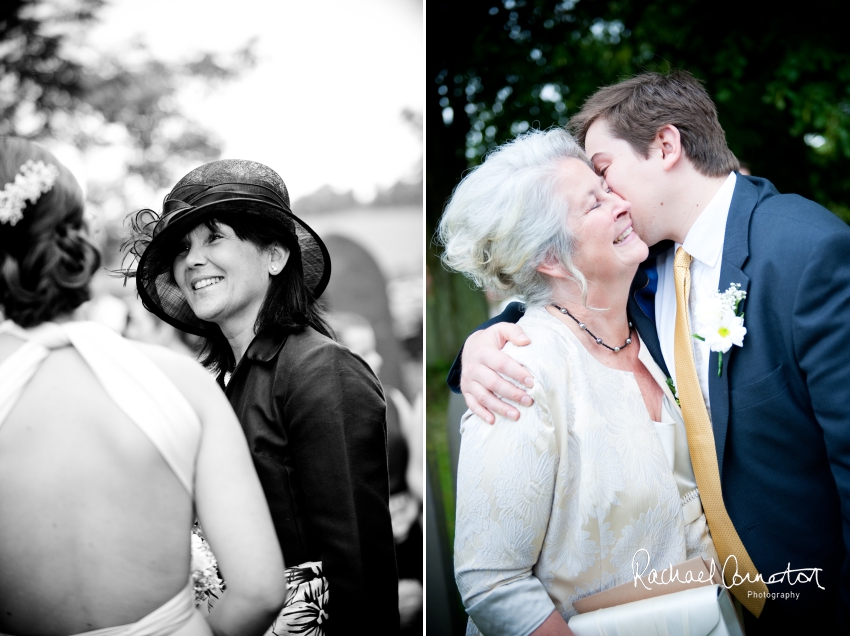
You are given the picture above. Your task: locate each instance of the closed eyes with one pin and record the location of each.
(598, 202)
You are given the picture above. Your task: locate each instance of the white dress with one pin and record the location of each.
(568, 500)
(147, 397)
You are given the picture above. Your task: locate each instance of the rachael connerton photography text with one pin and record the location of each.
(671, 575)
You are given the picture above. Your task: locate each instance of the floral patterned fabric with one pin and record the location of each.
(305, 612)
(560, 504)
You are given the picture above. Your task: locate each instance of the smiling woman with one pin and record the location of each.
(554, 507)
(230, 220)
(223, 277)
(227, 260)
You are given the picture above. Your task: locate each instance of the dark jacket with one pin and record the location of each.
(314, 416)
(779, 408)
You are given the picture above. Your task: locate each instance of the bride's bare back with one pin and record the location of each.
(94, 524)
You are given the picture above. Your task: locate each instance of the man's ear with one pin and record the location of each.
(669, 141)
(278, 257)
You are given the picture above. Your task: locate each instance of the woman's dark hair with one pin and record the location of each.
(289, 306)
(46, 259)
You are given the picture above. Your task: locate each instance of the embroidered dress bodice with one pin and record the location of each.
(149, 398)
(671, 434)
(559, 504)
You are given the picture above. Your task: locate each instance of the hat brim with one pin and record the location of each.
(159, 292)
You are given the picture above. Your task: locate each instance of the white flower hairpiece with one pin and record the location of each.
(34, 179)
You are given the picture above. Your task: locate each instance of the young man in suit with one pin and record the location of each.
(768, 422)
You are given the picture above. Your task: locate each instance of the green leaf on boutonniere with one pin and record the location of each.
(673, 390)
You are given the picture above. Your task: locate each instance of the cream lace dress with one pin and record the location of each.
(573, 497)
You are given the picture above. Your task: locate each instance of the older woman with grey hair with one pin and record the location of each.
(594, 479)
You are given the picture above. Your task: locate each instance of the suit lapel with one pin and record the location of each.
(735, 253)
(641, 306)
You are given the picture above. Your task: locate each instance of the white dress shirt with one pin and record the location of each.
(705, 243)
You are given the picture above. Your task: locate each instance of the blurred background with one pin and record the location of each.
(132, 94)
(780, 78)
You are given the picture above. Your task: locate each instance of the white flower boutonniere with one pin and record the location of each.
(719, 324)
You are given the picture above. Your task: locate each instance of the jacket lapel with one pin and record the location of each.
(735, 253)
(641, 306)
(263, 348)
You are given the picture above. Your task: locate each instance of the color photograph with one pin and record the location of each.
(637, 301)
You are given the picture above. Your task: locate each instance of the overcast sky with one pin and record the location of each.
(322, 106)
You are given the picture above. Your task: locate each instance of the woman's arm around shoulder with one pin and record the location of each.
(230, 505)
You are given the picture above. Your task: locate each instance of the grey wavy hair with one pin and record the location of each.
(508, 216)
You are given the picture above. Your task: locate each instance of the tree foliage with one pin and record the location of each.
(779, 79)
(35, 78)
(53, 86)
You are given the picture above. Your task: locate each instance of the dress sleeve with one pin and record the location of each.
(506, 483)
(336, 416)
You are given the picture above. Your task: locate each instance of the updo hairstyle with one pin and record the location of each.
(46, 259)
(508, 216)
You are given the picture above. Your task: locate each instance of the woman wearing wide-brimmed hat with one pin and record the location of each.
(228, 261)
(109, 449)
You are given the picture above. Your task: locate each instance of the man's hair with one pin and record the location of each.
(636, 108)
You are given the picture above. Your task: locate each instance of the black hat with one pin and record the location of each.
(234, 186)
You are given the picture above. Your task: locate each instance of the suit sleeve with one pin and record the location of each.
(336, 415)
(822, 336)
(512, 313)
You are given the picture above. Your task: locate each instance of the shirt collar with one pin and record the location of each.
(266, 345)
(705, 239)
(263, 348)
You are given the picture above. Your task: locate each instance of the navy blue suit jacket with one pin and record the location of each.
(781, 407)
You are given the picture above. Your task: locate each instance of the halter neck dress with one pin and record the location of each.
(145, 394)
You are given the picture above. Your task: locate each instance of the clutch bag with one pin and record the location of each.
(700, 611)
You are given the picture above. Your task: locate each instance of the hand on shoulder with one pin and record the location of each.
(482, 363)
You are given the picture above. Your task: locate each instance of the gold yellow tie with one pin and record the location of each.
(704, 454)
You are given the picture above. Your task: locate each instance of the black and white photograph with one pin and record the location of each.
(211, 293)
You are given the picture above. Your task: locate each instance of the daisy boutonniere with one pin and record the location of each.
(719, 322)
